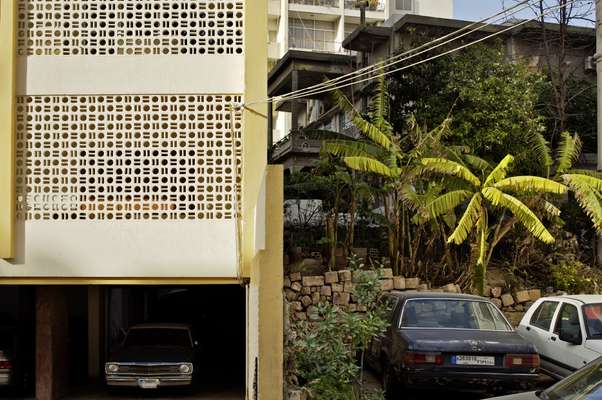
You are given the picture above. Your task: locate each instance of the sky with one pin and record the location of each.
(475, 10)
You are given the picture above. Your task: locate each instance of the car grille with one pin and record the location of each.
(149, 369)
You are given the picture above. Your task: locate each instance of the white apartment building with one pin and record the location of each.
(322, 25)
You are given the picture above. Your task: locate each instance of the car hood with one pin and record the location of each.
(594, 345)
(152, 354)
(458, 340)
(518, 396)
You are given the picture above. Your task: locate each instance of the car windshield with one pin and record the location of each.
(452, 314)
(592, 314)
(585, 384)
(157, 337)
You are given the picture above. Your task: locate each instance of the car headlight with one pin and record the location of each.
(185, 368)
(112, 368)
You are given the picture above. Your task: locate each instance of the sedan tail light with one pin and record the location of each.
(521, 361)
(411, 358)
(6, 365)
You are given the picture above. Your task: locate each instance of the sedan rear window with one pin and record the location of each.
(452, 314)
(158, 337)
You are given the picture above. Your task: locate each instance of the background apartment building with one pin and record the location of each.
(134, 188)
(322, 25)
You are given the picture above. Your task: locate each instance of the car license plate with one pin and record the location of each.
(473, 360)
(148, 383)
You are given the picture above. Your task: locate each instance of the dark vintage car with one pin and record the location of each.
(456, 341)
(584, 384)
(153, 356)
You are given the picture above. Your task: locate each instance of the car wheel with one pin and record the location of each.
(389, 382)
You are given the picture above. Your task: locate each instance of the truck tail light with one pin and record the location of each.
(530, 361)
(6, 365)
(412, 358)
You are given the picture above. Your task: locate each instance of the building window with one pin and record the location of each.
(311, 34)
(403, 5)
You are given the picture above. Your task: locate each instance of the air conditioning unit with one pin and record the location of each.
(590, 63)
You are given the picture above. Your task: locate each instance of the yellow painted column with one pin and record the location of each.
(254, 122)
(271, 276)
(8, 23)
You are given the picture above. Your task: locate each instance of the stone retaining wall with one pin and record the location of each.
(304, 293)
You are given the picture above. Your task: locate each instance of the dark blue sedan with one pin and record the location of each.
(455, 341)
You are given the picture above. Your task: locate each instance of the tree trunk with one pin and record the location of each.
(349, 240)
(481, 266)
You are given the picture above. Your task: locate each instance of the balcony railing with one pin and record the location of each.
(378, 5)
(311, 44)
(319, 3)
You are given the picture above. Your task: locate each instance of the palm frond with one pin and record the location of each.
(569, 150)
(448, 167)
(476, 162)
(447, 202)
(541, 148)
(588, 198)
(350, 148)
(587, 180)
(468, 220)
(367, 164)
(531, 184)
(551, 209)
(500, 171)
(524, 215)
(588, 172)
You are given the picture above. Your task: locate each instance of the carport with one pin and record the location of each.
(75, 328)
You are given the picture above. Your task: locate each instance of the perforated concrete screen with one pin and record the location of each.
(125, 27)
(131, 157)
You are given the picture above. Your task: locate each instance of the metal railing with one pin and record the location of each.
(373, 6)
(319, 3)
(311, 44)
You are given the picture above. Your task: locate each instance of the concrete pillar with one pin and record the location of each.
(294, 103)
(94, 326)
(51, 343)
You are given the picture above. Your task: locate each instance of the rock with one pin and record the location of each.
(296, 286)
(352, 308)
(317, 280)
(497, 302)
(399, 282)
(315, 298)
(458, 289)
(296, 306)
(341, 299)
(449, 288)
(549, 290)
(306, 290)
(507, 300)
(326, 291)
(290, 295)
(361, 308)
(522, 296)
(386, 284)
(439, 290)
(534, 294)
(300, 316)
(519, 308)
(348, 287)
(344, 276)
(487, 291)
(412, 283)
(306, 301)
(422, 287)
(386, 273)
(331, 277)
(337, 287)
(313, 289)
(287, 281)
(363, 274)
(496, 292)
(295, 276)
(325, 299)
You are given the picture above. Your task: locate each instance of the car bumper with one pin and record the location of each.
(136, 381)
(468, 380)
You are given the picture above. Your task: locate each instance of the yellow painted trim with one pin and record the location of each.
(271, 302)
(8, 37)
(254, 125)
(119, 281)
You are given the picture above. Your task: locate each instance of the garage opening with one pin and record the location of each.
(90, 326)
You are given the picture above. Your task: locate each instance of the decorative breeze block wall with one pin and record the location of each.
(146, 157)
(130, 27)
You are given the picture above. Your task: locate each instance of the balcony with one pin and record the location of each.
(318, 3)
(315, 45)
(376, 5)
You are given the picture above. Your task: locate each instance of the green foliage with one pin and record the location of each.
(326, 350)
(571, 276)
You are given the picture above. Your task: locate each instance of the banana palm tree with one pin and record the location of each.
(387, 154)
(492, 192)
